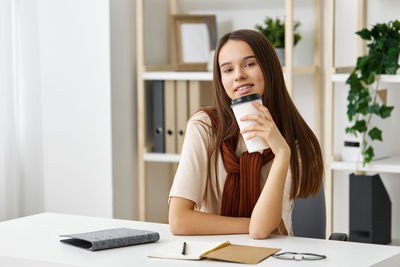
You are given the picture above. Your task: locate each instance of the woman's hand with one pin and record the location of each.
(266, 129)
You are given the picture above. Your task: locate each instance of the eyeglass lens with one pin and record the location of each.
(298, 256)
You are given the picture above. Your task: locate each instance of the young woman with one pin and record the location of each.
(220, 188)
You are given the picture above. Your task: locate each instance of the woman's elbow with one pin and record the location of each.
(175, 225)
(262, 230)
(178, 225)
(179, 216)
(259, 233)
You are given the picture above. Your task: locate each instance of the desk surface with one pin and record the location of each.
(34, 241)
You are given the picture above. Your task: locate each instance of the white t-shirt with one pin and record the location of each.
(191, 181)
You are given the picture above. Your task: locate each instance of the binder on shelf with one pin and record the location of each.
(181, 112)
(158, 129)
(169, 116)
(200, 95)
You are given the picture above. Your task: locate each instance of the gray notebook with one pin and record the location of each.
(110, 238)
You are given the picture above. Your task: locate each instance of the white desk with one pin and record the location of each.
(34, 241)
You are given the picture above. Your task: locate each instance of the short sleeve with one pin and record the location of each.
(191, 176)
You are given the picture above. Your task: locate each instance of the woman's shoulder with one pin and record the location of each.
(202, 116)
(201, 123)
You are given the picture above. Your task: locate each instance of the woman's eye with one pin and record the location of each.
(250, 64)
(227, 70)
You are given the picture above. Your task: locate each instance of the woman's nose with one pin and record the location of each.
(240, 74)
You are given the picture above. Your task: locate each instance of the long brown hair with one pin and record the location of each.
(306, 163)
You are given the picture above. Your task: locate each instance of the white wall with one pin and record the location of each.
(74, 51)
(30, 103)
(65, 98)
(76, 96)
(9, 180)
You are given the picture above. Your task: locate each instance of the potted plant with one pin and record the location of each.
(274, 30)
(382, 58)
(383, 41)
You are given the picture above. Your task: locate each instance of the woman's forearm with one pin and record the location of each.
(183, 220)
(267, 212)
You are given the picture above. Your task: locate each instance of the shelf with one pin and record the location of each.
(161, 157)
(387, 165)
(386, 78)
(178, 75)
(208, 76)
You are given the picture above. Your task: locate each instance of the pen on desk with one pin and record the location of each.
(184, 248)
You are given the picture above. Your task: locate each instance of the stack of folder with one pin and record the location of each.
(173, 102)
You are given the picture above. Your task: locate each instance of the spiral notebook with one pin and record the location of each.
(110, 238)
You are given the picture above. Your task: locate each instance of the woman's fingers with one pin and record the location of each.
(265, 125)
(254, 117)
(263, 109)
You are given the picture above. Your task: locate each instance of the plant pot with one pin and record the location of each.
(370, 210)
(280, 52)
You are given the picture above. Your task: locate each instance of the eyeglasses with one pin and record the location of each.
(298, 256)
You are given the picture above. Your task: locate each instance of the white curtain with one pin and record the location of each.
(9, 155)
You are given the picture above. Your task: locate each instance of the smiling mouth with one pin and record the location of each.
(244, 87)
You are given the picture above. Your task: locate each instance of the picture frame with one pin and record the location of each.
(193, 39)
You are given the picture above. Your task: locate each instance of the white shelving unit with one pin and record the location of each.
(161, 157)
(178, 75)
(144, 74)
(389, 165)
(208, 76)
(340, 75)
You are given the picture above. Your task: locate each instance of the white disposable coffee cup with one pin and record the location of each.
(242, 106)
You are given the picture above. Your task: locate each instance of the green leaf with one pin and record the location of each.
(375, 134)
(359, 126)
(385, 111)
(351, 111)
(349, 130)
(374, 109)
(368, 155)
(364, 34)
(274, 30)
(371, 77)
(396, 24)
(361, 62)
(362, 105)
(393, 52)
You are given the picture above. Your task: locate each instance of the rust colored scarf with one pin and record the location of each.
(242, 184)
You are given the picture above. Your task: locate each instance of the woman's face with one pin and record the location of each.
(240, 72)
